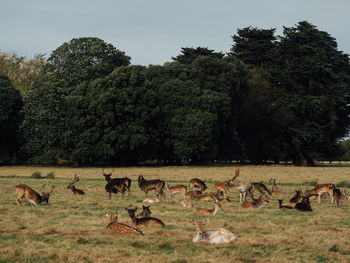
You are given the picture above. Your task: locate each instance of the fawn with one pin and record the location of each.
(145, 221)
(213, 236)
(120, 228)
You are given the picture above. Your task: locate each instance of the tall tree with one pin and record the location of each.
(10, 106)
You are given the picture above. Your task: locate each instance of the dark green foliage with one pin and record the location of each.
(50, 175)
(10, 106)
(36, 175)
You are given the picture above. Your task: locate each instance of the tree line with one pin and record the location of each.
(276, 98)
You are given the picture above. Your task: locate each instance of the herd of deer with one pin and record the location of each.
(246, 191)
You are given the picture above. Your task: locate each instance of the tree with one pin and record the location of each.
(190, 54)
(51, 99)
(10, 106)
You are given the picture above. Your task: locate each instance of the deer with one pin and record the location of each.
(74, 190)
(223, 187)
(115, 188)
(304, 205)
(260, 187)
(207, 197)
(121, 228)
(255, 204)
(242, 187)
(146, 212)
(145, 221)
(336, 196)
(194, 194)
(117, 181)
(147, 185)
(150, 200)
(213, 236)
(212, 211)
(195, 182)
(323, 188)
(297, 197)
(175, 190)
(344, 195)
(283, 206)
(274, 189)
(25, 191)
(186, 204)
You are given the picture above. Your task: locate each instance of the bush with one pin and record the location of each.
(36, 175)
(50, 175)
(343, 184)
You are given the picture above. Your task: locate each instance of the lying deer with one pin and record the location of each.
(145, 221)
(274, 189)
(213, 236)
(304, 205)
(212, 211)
(344, 195)
(117, 181)
(147, 185)
(195, 182)
(146, 212)
(194, 194)
(283, 206)
(297, 197)
(121, 228)
(186, 204)
(175, 190)
(255, 204)
(24, 191)
(74, 190)
(150, 200)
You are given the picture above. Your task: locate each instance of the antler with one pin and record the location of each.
(53, 187)
(76, 179)
(42, 187)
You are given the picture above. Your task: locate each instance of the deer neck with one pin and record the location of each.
(216, 209)
(113, 219)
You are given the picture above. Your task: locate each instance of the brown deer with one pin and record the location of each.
(255, 204)
(223, 187)
(274, 189)
(115, 184)
(283, 206)
(304, 205)
(213, 236)
(74, 190)
(194, 194)
(186, 204)
(121, 228)
(336, 196)
(195, 182)
(344, 195)
(211, 211)
(260, 187)
(150, 200)
(175, 190)
(24, 191)
(146, 212)
(323, 188)
(147, 185)
(297, 197)
(145, 221)
(243, 187)
(207, 197)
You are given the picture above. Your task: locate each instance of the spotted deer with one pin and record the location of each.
(74, 190)
(121, 228)
(176, 190)
(213, 236)
(212, 211)
(259, 203)
(147, 185)
(195, 182)
(24, 191)
(323, 188)
(145, 221)
(274, 189)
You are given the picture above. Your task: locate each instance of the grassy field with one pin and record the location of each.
(72, 229)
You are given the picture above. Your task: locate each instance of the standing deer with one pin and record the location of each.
(336, 196)
(145, 221)
(24, 191)
(147, 185)
(242, 187)
(274, 189)
(323, 188)
(121, 228)
(74, 190)
(195, 182)
(213, 236)
(176, 189)
(117, 181)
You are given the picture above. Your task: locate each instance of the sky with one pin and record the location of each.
(154, 31)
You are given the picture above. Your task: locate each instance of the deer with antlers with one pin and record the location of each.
(213, 236)
(274, 189)
(116, 183)
(24, 191)
(74, 190)
(242, 187)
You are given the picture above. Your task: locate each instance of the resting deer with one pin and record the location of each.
(242, 187)
(24, 191)
(121, 228)
(304, 205)
(74, 190)
(146, 212)
(260, 188)
(147, 185)
(175, 190)
(150, 200)
(283, 206)
(186, 204)
(117, 181)
(344, 195)
(211, 211)
(323, 188)
(255, 204)
(195, 182)
(274, 189)
(194, 194)
(207, 197)
(297, 197)
(145, 221)
(213, 236)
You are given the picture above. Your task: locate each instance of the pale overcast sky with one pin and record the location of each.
(153, 31)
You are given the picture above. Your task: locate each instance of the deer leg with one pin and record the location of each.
(17, 200)
(109, 195)
(319, 198)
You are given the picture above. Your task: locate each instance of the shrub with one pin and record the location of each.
(50, 175)
(36, 175)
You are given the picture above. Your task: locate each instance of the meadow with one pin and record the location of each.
(72, 229)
